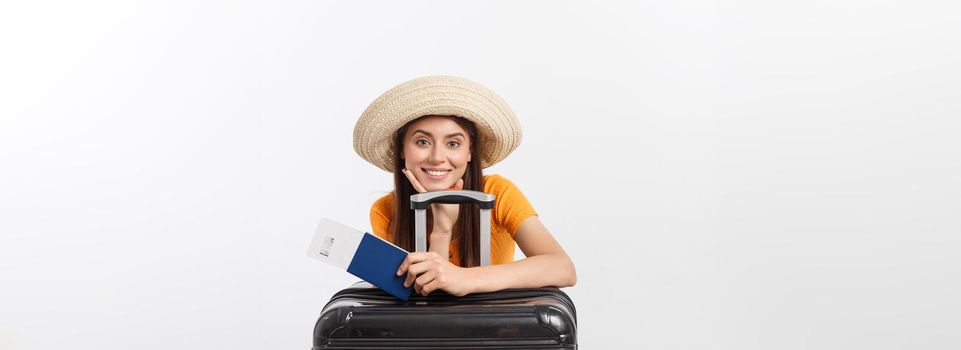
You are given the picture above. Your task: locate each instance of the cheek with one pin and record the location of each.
(413, 157)
(460, 163)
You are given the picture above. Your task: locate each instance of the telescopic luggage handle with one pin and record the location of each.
(419, 203)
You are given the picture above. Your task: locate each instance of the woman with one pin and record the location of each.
(437, 133)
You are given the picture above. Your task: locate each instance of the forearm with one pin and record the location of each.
(439, 243)
(554, 270)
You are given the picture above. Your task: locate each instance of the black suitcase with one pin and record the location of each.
(365, 317)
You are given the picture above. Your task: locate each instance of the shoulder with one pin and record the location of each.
(506, 192)
(511, 207)
(384, 205)
(381, 213)
(496, 183)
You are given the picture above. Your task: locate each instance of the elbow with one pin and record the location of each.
(571, 275)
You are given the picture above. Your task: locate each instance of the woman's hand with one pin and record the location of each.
(429, 271)
(445, 215)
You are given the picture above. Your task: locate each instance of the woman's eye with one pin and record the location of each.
(453, 144)
(422, 142)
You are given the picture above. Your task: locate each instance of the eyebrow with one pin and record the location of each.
(432, 135)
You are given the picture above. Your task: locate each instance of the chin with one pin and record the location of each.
(438, 188)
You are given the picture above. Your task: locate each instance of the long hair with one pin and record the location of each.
(467, 226)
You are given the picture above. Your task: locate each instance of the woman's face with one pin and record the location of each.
(436, 150)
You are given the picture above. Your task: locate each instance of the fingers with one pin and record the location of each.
(425, 278)
(402, 269)
(409, 280)
(427, 283)
(413, 181)
(421, 268)
(413, 258)
(459, 185)
(419, 272)
(430, 287)
(424, 266)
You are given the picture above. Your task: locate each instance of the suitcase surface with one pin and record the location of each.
(365, 317)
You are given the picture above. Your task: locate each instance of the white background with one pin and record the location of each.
(725, 174)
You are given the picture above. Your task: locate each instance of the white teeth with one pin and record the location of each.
(436, 173)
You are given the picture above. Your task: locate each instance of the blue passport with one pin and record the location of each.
(361, 254)
(376, 261)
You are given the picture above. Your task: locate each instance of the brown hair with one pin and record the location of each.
(467, 227)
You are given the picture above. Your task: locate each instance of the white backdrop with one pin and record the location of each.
(725, 175)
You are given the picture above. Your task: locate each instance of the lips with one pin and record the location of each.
(436, 173)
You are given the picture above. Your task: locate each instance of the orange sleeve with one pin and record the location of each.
(511, 207)
(380, 214)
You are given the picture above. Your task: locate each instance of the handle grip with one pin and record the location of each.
(422, 200)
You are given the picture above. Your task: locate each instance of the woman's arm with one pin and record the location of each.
(439, 242)
(546, 265)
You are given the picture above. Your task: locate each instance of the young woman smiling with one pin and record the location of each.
(437, 133)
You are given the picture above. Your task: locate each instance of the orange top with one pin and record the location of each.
(511, 208)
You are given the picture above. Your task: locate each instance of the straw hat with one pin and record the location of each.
(498, 128)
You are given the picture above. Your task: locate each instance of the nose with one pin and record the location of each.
(437, 155)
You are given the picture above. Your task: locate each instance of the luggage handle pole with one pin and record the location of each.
(419, 203)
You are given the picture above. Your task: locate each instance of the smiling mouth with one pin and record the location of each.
(435, 173)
